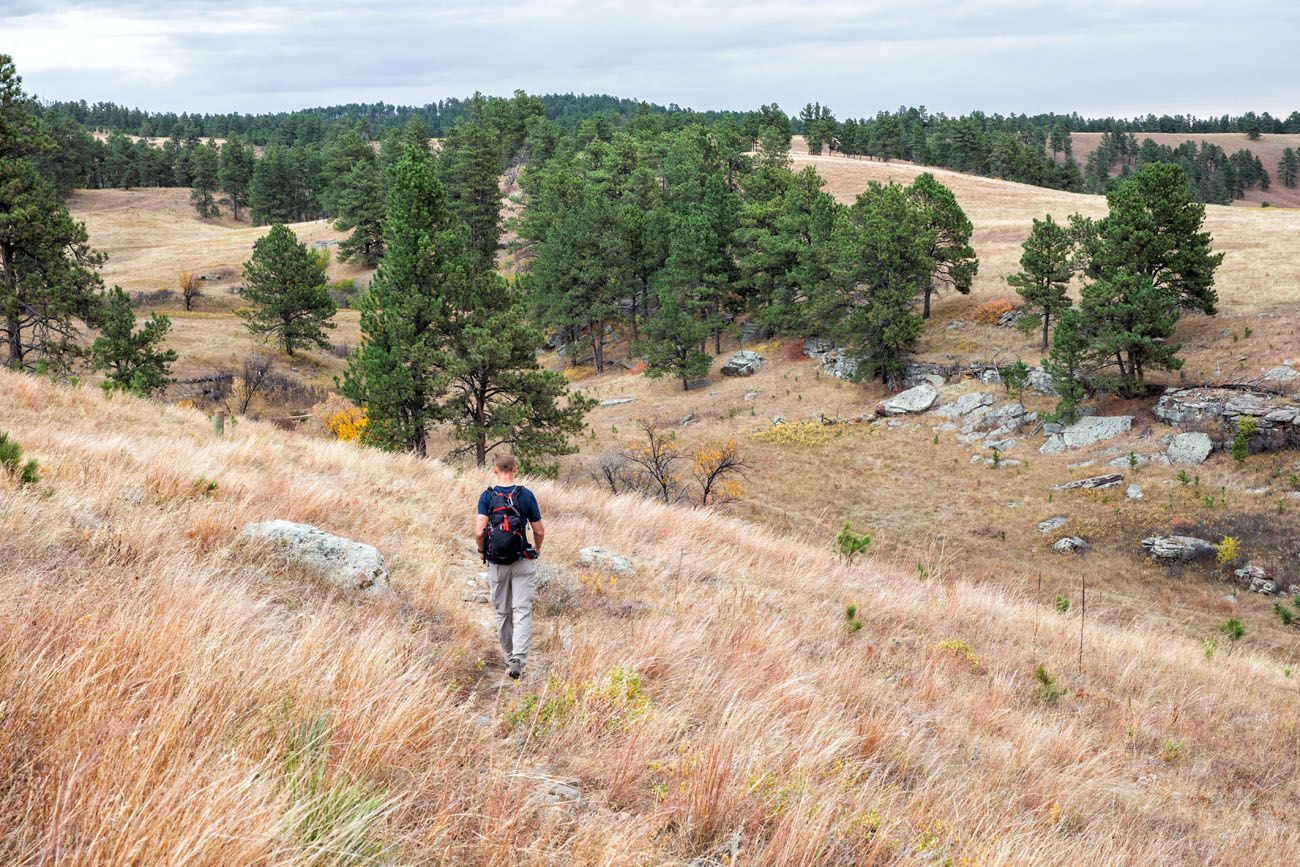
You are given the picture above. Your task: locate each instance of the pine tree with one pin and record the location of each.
(880, 254)
(1064, 363)
(204, 167)
(401, 370)
(1128, 321)
(1288, 168)
(499, 394)
(469, 170)
(953, 258)
(49, 280)
(360, 203)
(673, 338)
(131, 359)
(285, 284)
(235, 173)
(1046, 267)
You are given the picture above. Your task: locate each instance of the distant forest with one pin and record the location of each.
(1033, 149)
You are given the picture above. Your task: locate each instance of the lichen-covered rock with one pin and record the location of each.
(1053, 523)
(1086, 431)
(1175, 548)
(1109, 480)
(1071, 545)
(1192, 447)
(351, 565)
(916, 399)
(599, 557)
(1216, 410)
(746, 362)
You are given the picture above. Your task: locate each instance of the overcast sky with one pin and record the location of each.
(1101, 57)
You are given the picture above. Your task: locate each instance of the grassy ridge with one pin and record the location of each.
(171, 697)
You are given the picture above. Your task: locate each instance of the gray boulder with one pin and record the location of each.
(1054, 523)
(746, 362)
(617, 401)
(1281, 373)
(750, 395)
(351, 565)
(916, 399)
(1041, 382)
(1257, 579)
(1133, 492)
(1190, 448)
(1110, 480)
(1071, 545)
(1086, 431)
(1179, 548)
(601, 558)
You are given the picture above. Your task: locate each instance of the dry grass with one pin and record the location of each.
(172, 697)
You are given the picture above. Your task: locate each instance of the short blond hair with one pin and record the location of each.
(505, 462)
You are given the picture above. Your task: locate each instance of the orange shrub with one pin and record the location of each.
(991, 311)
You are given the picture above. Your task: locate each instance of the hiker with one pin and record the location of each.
(505, 511)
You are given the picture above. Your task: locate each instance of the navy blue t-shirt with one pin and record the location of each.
(524, 500)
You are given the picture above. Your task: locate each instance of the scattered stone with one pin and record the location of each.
(778, 419)
(698, 383)
(955, 324)
(617, 401)
(1052, 427)
(1109, 480)
(1133, 492)
(917, 399)
(1086, 431)
(1173, 548)
(1011, 317)
(990, 376)
(351, 565)
(689, 418)
(935, 379)
(1071, 545)
(750, 395)
(922, 371)
(893, 422)
(1230, 599)
(596, 556)
(1190, 448)
(1000, 445)
(1053, 523)
(746, 362)
(1281, 373)
(975, 459)
(1138, 460)
(1004, 464)
(1257, 579)
(1078, 465)
(560, 793)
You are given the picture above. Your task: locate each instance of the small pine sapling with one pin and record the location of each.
(849, 543)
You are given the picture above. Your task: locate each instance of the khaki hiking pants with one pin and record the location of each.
(512, 587)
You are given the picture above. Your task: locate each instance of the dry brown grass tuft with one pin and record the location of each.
(168, 696)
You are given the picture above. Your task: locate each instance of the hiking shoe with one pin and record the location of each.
(514, 667)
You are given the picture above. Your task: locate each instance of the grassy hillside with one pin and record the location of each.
(170, 696)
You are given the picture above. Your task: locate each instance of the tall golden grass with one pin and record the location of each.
(170, 696)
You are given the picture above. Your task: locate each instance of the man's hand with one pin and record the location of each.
(480, 524)
(539, 533)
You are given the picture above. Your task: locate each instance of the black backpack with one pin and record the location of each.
(504, 541)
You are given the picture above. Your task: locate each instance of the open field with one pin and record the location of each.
(196, 701)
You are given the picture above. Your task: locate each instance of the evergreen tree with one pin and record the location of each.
(1060, 137)
(1128, 320)
(49, 280)
(673, 338)
(235, 173)
(1153, 229)
(1064, 363)
(204, 166)
(272, 191)
(360, 202)
(402, 369)
(285, 284)
(469, 169)
(880, 253)
(1046, 267)
(954, 259)
(132, 360)
(1288, 168)
(499, 394)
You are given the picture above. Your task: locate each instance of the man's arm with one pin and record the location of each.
(480, 524)
(539, 533)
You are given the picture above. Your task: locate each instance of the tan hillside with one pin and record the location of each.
(196, 702)
(1268, 148)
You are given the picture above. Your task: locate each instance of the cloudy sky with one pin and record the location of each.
(1100, 57)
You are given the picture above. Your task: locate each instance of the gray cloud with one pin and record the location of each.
(1100, 57)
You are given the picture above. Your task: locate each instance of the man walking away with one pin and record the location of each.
(505, 511)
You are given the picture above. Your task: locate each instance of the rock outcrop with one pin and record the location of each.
(1179, 548)
(1086, 431)
(1071, 545)
(916, 399)
(746, 362)
(1215, 411)
(351, 565)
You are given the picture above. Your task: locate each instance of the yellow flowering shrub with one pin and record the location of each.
(960, 648)
(795, 433)
(342, 419)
